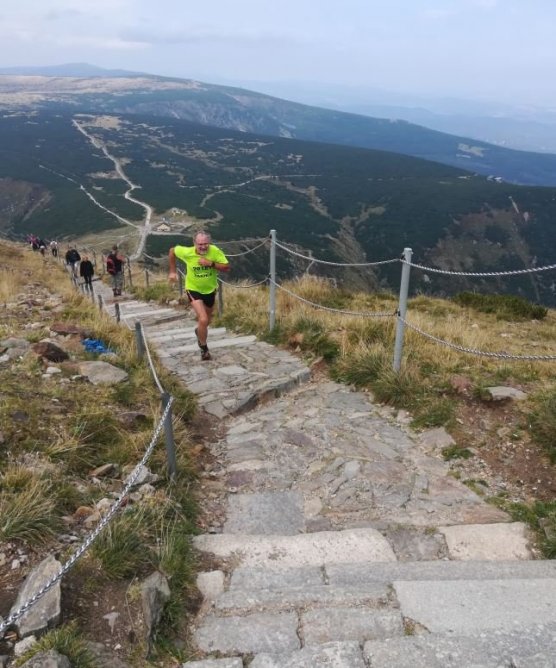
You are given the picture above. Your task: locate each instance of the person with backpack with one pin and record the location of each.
(87, 271)
(73, 259)
(115, 267)
(203, 261)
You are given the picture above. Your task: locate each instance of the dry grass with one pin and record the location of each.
(57, 430)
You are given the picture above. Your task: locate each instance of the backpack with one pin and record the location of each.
(110, 265)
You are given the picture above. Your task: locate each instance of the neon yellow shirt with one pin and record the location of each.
(198, 278)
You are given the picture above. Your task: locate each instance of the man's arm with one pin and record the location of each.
(172, 275)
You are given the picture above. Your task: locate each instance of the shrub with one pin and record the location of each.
(505, 307)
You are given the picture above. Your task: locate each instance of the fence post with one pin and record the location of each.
(95, 260)
(220, 307)
(402, 308)
(272, 291)
(139, 340)
(146, 278)
(169, 437)
(129, 273)
(100, 302)
(180, 276)
(117, 311)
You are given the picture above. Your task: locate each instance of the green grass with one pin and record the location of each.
(505, 307)
(121, 549)
(66, 640)
(539, 515)
(27, 511)
(456, 452)
(542, 422)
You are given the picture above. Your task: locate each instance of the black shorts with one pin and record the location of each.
(208, 300)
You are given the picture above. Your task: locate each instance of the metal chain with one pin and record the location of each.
(366, 314)
(252, 285)
(93, 535)
(484, 273)
(265, 241)
(149, 358)
(234, 241)
(474, 351)
(335, 264)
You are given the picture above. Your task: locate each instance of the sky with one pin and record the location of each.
(502, 50)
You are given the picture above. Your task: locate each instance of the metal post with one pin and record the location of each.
(169, 437)
(129, 273)
(100, 302)
(146, 278)
(402, 308)
(117, 312)
(139, 340)
(220, 307)
(272, 291)
(95, 259)
(179, 269)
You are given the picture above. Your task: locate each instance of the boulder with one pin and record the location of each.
(102, 373)
(45, 613)
(49, 659)
(50, 351)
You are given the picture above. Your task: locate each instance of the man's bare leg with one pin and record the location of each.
(204, 316)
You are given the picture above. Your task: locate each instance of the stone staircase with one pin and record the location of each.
(337, 537)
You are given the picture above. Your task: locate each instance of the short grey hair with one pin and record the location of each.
(201, 233)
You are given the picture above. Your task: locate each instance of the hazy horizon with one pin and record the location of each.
(490, 50)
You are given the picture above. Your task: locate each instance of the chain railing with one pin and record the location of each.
(475, 351)
(364, 314)
(80, 551)
(235, 286)
(335, 264)
(481, 274)
(406, 263)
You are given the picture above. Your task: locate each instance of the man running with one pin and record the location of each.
(203, 261)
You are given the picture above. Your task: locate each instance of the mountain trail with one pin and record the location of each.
(335, 538)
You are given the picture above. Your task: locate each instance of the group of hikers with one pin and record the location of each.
(83, 267)
(203, 261)
(37, 244)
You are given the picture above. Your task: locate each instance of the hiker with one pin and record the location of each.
(42, 246)
(203, 261)
(54, 248)
(115, 267)
(73, 259)
(87, 271)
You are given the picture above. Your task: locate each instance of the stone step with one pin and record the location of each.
(329, 655)
(227, 342)
(245, 579)
(372, 595)
(314, 549)
(232, 662)
(470, 606)
(525, 647)
(312, 627)
(145, 313)
(183, 333)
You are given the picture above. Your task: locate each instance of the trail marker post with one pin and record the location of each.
(402, 308)
(272, 287)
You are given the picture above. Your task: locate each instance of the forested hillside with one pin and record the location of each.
(338, 203)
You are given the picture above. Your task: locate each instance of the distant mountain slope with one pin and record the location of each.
(246, 111)
(338, 203)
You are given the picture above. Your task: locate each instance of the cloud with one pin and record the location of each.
(200, 37)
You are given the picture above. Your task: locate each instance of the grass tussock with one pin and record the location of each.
(27, 509)
(66, 640)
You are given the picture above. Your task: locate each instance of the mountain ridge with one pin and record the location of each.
(248, 111)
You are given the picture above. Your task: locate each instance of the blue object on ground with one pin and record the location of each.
(95, 346)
